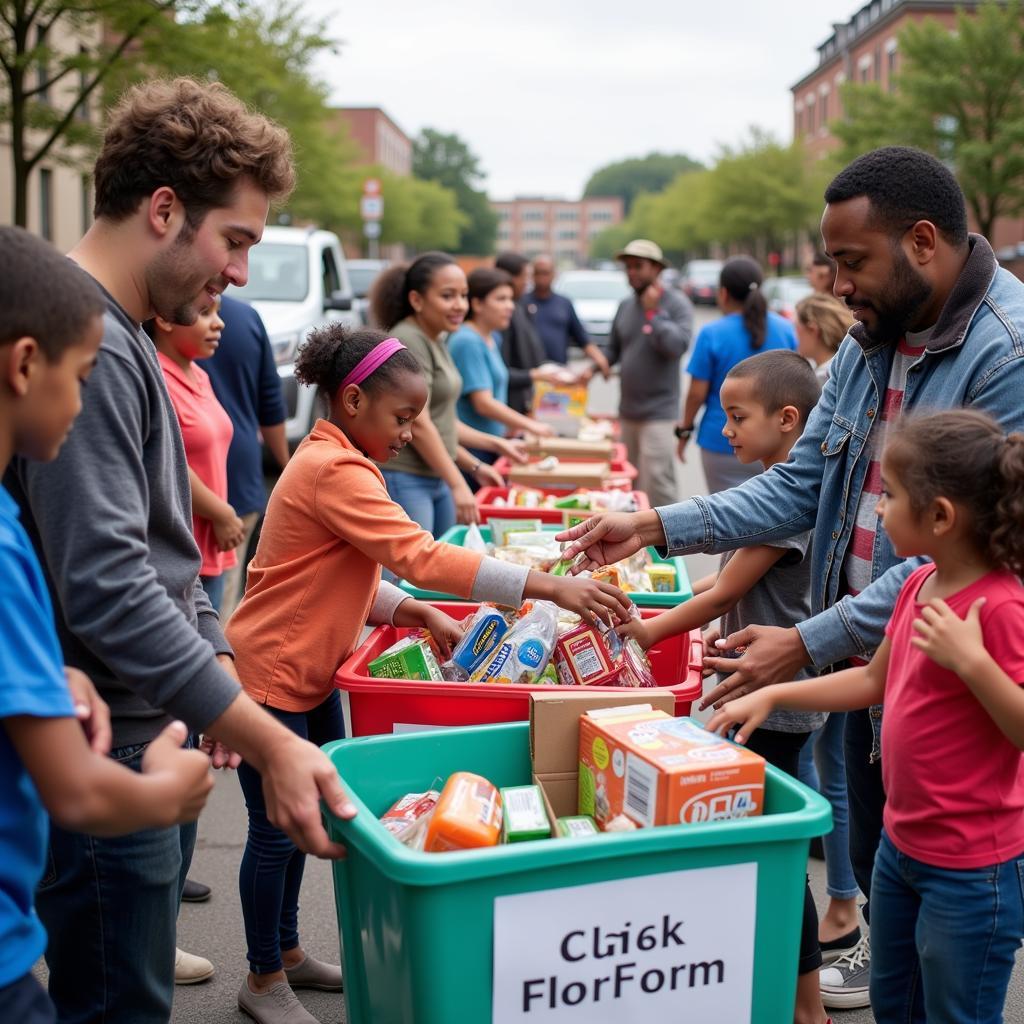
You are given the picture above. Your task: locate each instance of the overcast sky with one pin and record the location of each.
(546, 92)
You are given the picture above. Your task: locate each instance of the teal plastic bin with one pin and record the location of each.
(419, 931)
(457, 535)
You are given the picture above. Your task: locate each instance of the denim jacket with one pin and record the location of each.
(973, 358)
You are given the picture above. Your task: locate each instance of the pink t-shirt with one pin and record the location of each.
(954, 783)
(206, 431)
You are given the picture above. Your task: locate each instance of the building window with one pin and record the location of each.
(86, 203)
(568, 233)
(504, 214)
(535, 235)
(504, 234)
(567, 214)
(532, 213)
(809, 106)
(890, 58)
(600, 215)
(864, 68)
(823, 115)
(46, 203)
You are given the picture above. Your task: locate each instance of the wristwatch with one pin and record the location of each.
(683, 433)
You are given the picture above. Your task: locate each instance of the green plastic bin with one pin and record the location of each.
(669, 599)
(418, 931)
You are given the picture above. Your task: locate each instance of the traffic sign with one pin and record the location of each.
(371, 187)
(372, 229)
(371, 207)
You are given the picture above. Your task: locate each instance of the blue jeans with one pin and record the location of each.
(26, 1002)
(942, 941)
(427, 500)
(271, 872)
(822, 768)
(110, 908)
(214, 587)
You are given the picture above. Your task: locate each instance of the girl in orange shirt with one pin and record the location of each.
(313, 585)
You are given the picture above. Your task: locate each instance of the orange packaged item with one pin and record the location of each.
(582, 659)
(659, 770)
(608, 574)
(467, 816)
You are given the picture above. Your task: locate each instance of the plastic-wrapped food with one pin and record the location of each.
(474, 540)
(485, 628)
(407, 819)
(468, 815)
(525, 650)
(635, 668)
(582, 658)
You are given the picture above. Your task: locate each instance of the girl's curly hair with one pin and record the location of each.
(331, 352)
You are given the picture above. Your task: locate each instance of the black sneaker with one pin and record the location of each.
(195, 892)
(844, 983)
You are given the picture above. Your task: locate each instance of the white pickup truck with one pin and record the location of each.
(297, 281)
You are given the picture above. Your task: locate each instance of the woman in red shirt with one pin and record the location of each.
(206, 431)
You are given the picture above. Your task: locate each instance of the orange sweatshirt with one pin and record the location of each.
(329, 527)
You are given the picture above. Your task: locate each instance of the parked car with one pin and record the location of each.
(361, 275)
(699, 281)
(595, 295)
(297, 280)
(783, 293)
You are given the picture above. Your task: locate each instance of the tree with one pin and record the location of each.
(448, 160)
(959, 95)
(629, 178)
(48, 85)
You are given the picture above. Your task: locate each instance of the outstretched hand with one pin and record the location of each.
(603, 539)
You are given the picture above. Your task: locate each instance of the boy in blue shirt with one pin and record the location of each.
(54, 729)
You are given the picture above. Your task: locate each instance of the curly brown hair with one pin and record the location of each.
(196, 138)
(966, 457)
(332, 352)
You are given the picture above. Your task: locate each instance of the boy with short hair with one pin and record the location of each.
(767, 399)
(47, 350)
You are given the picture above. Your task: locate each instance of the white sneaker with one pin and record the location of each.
(190, 969)
(844, 983)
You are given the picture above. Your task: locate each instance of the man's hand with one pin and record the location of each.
(296, 776)
(183, 775)
(681, 444)
(650, 297)
(608, 537)
(771, 654)
(600, 361)
(220, 755)
(90, 709)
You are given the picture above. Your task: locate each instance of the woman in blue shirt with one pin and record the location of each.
(746, 328)
(476, 351)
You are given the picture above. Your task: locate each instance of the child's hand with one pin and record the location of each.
(183, 774)
(589, 599)
(443, 628)
(228, 529)
(637, 629)
(946, 638)
(747, 713)
(710, 636)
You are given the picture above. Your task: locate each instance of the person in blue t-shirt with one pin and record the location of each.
(54, 729)
(246, 383)
(746, 328)
(476, 352)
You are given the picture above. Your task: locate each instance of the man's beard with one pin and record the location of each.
(899, 305)
(173, 283)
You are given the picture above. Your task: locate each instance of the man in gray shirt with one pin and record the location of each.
(183, 186)
(650, 333)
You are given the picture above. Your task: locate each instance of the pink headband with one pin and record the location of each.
(372, 361)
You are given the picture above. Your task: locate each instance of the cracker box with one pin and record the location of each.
(659, 770)
(576, 826)
(582, 659)
(410, 658)
(526, 816)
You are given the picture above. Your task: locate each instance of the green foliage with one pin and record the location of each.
(959, 95)
(448, 160)
(629, 178)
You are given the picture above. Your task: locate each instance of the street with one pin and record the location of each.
(214, 930)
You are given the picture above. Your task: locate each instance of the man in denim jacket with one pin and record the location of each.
(896, 225)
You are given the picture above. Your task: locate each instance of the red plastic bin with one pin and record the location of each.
(486, 496)
(621, 474)
(374, 706)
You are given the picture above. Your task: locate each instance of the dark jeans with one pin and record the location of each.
(866, 797)
(26, 1002)
(214, 587)
(271, 873)
(782, 749)
(110, 907)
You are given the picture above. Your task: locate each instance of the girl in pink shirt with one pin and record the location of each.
(206, 431)
(947, 892)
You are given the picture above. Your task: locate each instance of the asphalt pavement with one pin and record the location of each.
(214, 929)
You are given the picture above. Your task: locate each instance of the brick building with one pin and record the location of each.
(866, 49)
(559, 228)
(381, 141)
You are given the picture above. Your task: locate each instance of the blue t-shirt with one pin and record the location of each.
(556, 321)
(482, 369)
(31, 683)
(246, 383)
(720, 346)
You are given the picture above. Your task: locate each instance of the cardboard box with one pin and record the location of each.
(565, 474)
(570, 448)
(555, 737)
(660, 770)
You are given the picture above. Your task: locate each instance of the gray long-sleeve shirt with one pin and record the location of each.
(650, 351)
(111, 519)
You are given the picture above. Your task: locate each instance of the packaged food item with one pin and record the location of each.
(659, 770)
(526, 536)
(410, 658)
(663, 577)
(525, 816)
(609, 574)
(405, 816)
(571, 518)
(501, 527)
(486, 626)
(635, 666)
(576, 826)
(474, 540)
(576, 500)
(468, 815)
(525, 650)
(582, 659)
(620, 823)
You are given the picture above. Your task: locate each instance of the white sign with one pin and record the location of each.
(371, 207)
(371, 229)
(661, 949)
(371, 187)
